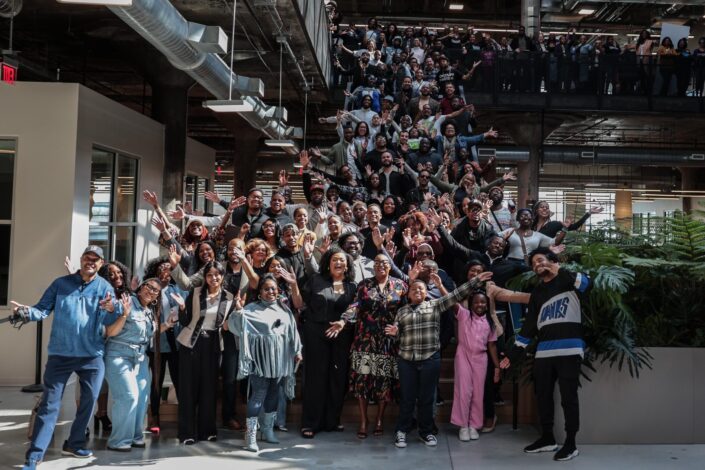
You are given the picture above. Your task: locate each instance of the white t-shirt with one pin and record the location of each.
(531, 242)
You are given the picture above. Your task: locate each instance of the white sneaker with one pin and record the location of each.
(474, 435)
(429, 440)
(464, 434)
(400, 440)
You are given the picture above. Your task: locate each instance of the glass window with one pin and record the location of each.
(194, 192)
(7, 176)
(113, 211)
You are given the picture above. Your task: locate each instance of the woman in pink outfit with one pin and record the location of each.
(478, 329)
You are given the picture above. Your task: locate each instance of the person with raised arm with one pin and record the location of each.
(83, 304)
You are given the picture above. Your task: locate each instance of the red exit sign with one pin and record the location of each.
(9, 73)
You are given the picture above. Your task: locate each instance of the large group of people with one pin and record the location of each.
(570, 62)
(404, 245)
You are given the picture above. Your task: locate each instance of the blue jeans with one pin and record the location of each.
(90, 371)
(418, 381)
(129, 379)
(264, 393)
(281, 406)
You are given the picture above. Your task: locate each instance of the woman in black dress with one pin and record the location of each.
(327, 295)
(543, 223)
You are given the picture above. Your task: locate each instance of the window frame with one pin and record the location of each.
(11, 221)
(111, 225)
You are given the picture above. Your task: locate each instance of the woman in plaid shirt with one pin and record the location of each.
(417, 326)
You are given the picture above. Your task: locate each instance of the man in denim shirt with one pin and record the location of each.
(82, 304)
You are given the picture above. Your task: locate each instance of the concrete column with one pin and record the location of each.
(691, 178)
(623, 209)
(246, 146)
(170, 107)
(528, 130)
(531, 16)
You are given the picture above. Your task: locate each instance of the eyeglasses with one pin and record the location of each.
(151, 289)
(380, 262)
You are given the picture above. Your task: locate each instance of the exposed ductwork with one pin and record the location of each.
(161, 24)
(10, 8)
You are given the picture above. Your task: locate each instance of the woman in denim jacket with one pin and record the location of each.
(126, 364)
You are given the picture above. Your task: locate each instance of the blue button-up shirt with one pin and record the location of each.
(78, 328)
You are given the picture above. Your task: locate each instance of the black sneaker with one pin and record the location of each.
(400, 439)
(430, 440)
(544, 444)
(567, 452)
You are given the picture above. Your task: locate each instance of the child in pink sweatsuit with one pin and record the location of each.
(476, 335)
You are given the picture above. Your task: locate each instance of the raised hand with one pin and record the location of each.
(406, 236)
(368, 170)
(212, 196)
(174, 256)
(107, 303)
(596, 209)
(491, 133)
(244, 230)
(485, 276)
(237, 301)
(557, 249)
(415, 270)
(435, 279)
(391, 249)
(237, 202)
(304, 159)
(308, 245)
(158, 223)
(150, 197)
(509, 176)
(239, 254)
(377, 237)
(69, 265)
(126, 304)
(177, 214)
(179, 300)
(389, 235)
(433, 217)
(325, 244)
(288, 275)
(134, 283)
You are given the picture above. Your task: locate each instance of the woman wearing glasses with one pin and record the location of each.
(373, 356)
(126, 364)
(269, 347)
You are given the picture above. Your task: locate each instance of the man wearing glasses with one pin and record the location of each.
(83, 305)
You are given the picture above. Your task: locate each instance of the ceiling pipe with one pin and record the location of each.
(10, 8)
(161, 24)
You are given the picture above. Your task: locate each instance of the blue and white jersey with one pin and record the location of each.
(555, 316)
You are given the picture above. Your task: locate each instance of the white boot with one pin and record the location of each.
(251, 435)
(268, 428)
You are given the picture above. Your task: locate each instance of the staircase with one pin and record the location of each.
(526, 402)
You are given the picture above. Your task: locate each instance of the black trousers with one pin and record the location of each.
(490, 390)
(565, 370)
(325, 376)
(198, 374)
(155, 395)
(229, 374)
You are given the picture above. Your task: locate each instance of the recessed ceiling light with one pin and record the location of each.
(586, 11)
(456, 6)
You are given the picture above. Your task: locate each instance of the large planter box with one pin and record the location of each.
(665, 405)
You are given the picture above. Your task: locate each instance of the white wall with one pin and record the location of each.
(56, 125)
(200, 159)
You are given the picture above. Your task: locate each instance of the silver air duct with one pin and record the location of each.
(163, 26)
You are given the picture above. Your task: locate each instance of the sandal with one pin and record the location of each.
(339, 428)
(379, 430)
(307, 433)
(362, 431)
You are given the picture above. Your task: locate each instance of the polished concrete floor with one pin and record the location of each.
(501, 449)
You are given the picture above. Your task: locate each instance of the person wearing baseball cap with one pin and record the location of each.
(84, 305)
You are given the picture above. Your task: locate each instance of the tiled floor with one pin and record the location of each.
(501, 449)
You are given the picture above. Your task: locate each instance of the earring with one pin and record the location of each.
(154, 302)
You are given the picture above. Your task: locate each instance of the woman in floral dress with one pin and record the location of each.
(373, 355)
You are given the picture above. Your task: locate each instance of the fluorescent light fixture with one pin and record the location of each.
(586, 11)
(107, 3)
(281, 143)
(456, 6)
(228, 106)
